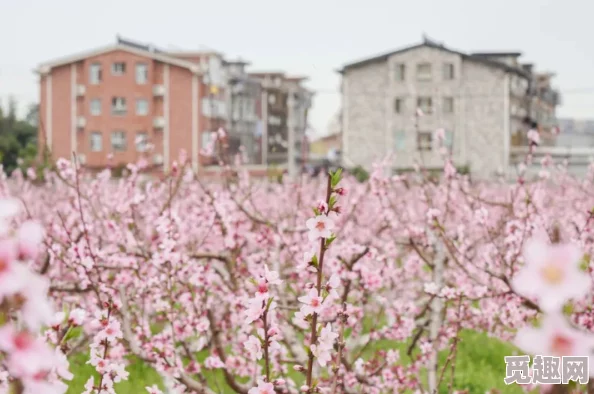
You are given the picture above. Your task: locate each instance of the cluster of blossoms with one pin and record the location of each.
(237, 286)
(552, 276)
(106, 352)
(31, 365)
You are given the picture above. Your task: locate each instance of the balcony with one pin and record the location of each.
(159, 90)
(81, 122)
(159, 122)
(80, 90)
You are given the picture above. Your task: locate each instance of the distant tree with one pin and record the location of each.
(32, 116)
(18, 137)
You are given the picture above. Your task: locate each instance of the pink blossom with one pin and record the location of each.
(552, 274)
(119, 372)
(262, 388)
(254, 347)
(13, 275)
(272, 277)
(37, 310)
(10, 207)
(299, 320)
(30, 235)
(77, 317)
(62, 365)
(213, 362)
(555, 338)
(27, 355)
(253, 311)
(153, 389)
(327, 336)
(319, 227)
(322, 206)
(322, 354)
(332, 285)
(534, 136)
(313, 302)
(89, 385)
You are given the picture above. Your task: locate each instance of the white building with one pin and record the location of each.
(481, 100)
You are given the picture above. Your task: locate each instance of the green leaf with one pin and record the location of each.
(568, 309)
(268, 303)
(330, 240)
(73, 332)
(332, 202)
(335, 178)
(314, 260)
(585, 263)
(316, 212)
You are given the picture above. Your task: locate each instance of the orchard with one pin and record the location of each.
(311, 285)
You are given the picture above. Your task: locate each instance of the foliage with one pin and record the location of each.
(360, 174)
(18, 138)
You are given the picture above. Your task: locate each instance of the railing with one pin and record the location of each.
(575, 156)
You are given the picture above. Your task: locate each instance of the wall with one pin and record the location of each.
(364, 117)
(180, 113)
(437, 88)
(111, 86)
(483, 108)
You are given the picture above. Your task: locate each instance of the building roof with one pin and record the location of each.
(503, 53)
(239, 62)
(267, 73)
(147, 51)
(431, 44)
(297, 78)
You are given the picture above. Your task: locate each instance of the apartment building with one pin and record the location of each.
(481, 100)
(284, 106)
(116, 104)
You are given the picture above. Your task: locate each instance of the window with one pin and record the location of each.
(95, 74)
(271, 99)
(214, 108)
(424, 72)
(400, 140)
(274, 120)
(398, 105)
(96, 141)
(118, 141)
(141, 73)
(118, 106)
(142, 107)
(400, 72)
(449, 139)
(424, 140)
(206, 138)
(425, 104)
(448, 105)
(448, 71)
(95, 107)
(118, 68)
(141, 141)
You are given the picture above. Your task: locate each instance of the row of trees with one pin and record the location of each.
(18, 136)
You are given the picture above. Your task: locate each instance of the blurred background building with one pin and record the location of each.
(126, 101)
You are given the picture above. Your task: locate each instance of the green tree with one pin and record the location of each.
(18, 137)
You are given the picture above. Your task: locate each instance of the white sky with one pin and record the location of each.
(311, 37)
